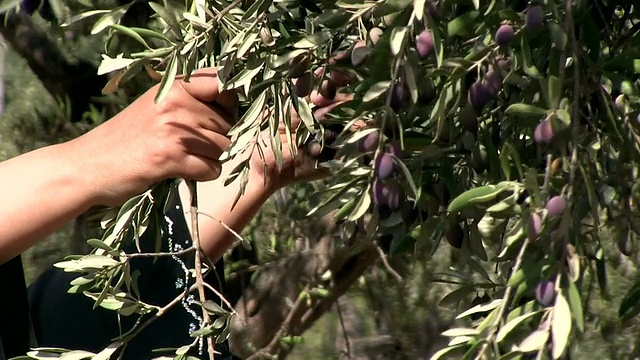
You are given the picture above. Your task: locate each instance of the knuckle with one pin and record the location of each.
(171, 103)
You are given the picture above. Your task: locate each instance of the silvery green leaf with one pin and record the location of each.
(109, 64)
(247, 43)
(398, 39)
(106, 20)
(561, 324)
(168, 17)
(244, 77)
(481, 308)
(251, 117)
(168, 78)
(376, 91)
(82, 16)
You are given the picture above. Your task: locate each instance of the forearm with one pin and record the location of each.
(40, 191)
(214, 206)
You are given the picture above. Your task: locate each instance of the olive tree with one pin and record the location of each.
(508, 129)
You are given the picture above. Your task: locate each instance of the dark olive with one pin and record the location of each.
(534, 17)
(454, 234)
(504, 35)
(545, 292)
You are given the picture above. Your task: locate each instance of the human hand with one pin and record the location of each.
(300, 165)
(180, 137)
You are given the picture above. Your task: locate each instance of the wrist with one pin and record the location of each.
(74, 171)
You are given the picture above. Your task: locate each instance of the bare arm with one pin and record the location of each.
(40, 191)
(183, 136)
(214, 206)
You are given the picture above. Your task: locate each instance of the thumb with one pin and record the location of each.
(203, 86)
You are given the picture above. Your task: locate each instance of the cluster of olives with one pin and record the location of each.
(387, 193)
(554, 208)
(544, 291)
(533, 18)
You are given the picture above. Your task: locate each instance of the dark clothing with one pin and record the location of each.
(68, 321)
(15, 331)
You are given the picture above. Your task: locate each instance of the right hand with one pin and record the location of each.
(181, 137)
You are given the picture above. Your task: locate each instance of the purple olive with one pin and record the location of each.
(493, 82)
(478, 96)
(545, 292)
(394, 149)
(408, 212)
(340, 77)
(369, 142)
(444, 132)
(425, 44)
(556, 205)
(454, 234)
(384, 165)
(504, 64)
(386, 193)
(328, 89)
(29, 6)
(468, 118)
(395, 195)
(504, 35)
(398, 96)
(426, 92)
(543, 133)
(431, 9)
(304, 84)
(535, 226)
(299, 65)
(534, 17)
(359, 53)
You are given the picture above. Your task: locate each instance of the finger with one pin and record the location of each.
(294, 121)
(320, 101)
(199, 168)
(203, 86)
(321, 113)
(206, 144)
(228, 100)
(209, 116)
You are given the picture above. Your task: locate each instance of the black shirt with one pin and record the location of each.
(68, 321)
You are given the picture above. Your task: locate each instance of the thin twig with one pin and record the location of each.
(387, 266)
(505, 301)
(344, 330)
(229, 229)
(274, 343)
(195, 235)
(156, 316)
(224, 12)
(159, 254)
(220, 296)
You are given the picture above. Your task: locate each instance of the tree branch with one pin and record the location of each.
(47, 60)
